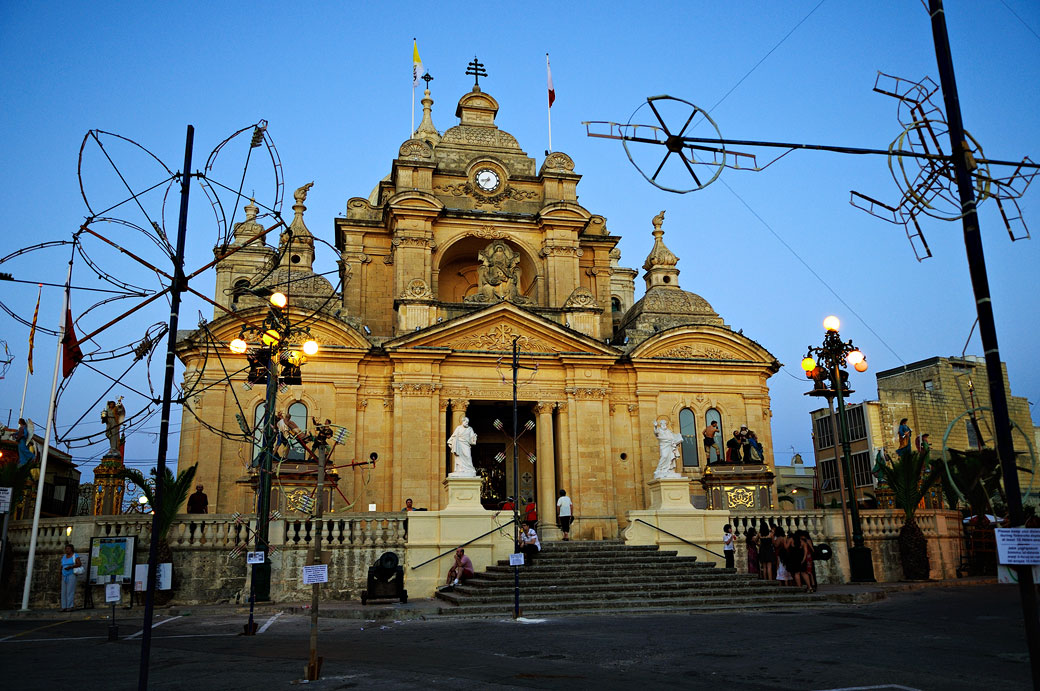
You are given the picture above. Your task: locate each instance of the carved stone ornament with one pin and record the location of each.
(741, 496)
(581, 297)
(415, 149)
(588, 393)
(688, 352)
(559, 162)
(417, 289)
(498, 277)
(488, 233)
(417, 389)
(500, 338)
(550, 250)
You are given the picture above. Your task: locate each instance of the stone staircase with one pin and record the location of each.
(608, 577)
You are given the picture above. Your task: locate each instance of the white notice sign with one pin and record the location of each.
(5, 499)
(516, 559)
(254, 557)
(315, 573)
(1018, 545)
(112, 592)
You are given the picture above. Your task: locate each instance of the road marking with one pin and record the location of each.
(897, 687)
(267, 624)
(63, 639)
(38, 628)
(158, 623)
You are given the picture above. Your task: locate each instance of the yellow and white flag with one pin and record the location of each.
(32, 331)
(417, 68)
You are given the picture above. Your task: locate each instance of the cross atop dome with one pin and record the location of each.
(476, 68)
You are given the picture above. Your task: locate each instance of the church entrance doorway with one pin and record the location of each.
(493, 453)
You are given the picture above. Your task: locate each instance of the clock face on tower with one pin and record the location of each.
(487, 180)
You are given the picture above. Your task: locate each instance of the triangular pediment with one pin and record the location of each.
(493, 330)
(702, 342)
(325, 329)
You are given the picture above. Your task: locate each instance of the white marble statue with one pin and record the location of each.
(113, 415)
(668, 442)
(461, 444)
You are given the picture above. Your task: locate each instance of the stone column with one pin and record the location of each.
(565, 459)
(545, 468)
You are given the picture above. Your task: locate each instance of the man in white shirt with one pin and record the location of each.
(564, 513)
(529, 543)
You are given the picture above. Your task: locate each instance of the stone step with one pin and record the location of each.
(758, 608)
(463, 595)
(574, 605)
(481, 587)
(498, 580)
(572, 571)
(620, 557)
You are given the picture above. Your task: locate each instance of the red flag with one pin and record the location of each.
(548, 74)
(72, 352)
(32, 331)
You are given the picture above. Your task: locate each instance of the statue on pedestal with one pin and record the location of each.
(668, 443)
(461, 444)
(113, 416)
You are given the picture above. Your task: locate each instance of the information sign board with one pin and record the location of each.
(1018, 546)
(315, 573)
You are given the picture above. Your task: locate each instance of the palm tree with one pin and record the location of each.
(909, 483)
(174, 493)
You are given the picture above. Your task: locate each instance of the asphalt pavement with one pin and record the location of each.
(942, 638)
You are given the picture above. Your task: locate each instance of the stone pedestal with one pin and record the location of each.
(670, 494)
(463, 493)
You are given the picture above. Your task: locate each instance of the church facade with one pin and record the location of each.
(464, 249)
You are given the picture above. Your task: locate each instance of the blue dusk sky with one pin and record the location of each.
(773, 252)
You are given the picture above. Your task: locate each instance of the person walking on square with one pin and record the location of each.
(564, 513)
(727, 544)
(69, 563)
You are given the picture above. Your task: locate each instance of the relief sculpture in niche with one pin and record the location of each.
(498, 277)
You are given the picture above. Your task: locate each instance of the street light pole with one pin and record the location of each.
(831, 354)
(261, 581)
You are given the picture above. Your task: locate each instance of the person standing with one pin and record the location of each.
(733, 448)
(752, 541)
(564, 513)
(903, 433)
(69, 563)
(198, 502)
(709, 433)
(766, 553)
(531, 513)
(727, 544)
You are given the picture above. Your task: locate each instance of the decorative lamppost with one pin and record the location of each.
(275, 333)
(825, 365)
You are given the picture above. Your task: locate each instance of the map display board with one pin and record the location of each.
(111, 556)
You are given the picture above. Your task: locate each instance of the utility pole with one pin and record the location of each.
(314, 664)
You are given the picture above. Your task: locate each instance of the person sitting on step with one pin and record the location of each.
(529, 543)
(461, 571)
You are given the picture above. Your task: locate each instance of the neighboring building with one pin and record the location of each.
(865, 438)
(464, 248)
(935, 393)
(60, 485)
(797, 482)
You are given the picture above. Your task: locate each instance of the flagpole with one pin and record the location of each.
(415, 79)
(548, 109)
(25, 386)
(46, 442)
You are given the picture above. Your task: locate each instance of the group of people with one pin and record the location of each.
(773, 553)
(744, 447)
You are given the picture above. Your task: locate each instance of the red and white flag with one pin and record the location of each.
(32, 331)
(548, 75)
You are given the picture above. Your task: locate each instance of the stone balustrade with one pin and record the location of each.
(209, 552)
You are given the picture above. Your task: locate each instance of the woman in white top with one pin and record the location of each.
(564, 513)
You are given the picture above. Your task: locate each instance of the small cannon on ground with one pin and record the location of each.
(385, 580)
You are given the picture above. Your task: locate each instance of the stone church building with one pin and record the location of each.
(466, 246)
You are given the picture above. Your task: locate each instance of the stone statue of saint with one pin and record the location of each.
(461, 444)
(498, 276)
(113, 416)
(668, 442)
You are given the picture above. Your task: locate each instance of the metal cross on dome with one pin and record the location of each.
(476, 68)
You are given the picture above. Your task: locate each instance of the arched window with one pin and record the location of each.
(716, 454)
(688, 430)
(615, 304)
(240, 286)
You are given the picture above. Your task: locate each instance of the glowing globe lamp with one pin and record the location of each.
(831, 323)
(270, 337)
(310, 347)
(808, 364)
(238, 346)
(861, 366)
(279, 300)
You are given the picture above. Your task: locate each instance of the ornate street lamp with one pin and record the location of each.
(825, 365)
(275, 334)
